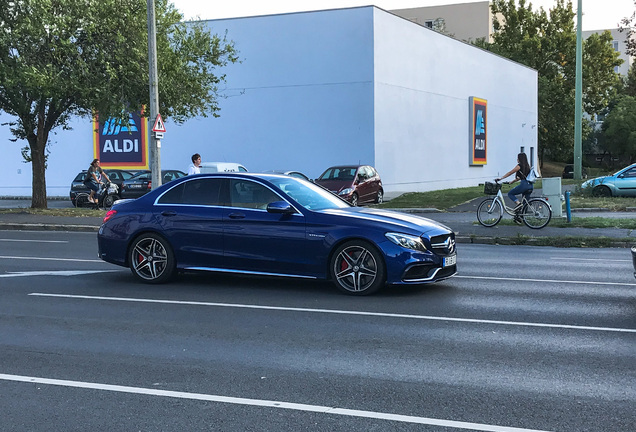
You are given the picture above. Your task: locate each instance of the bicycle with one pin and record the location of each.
(535, 212)
(107, 194)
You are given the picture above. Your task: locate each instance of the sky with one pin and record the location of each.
(597, 14)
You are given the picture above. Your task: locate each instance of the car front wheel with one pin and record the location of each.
(354, 199)
(151, 259)
(357, 268)
(602, 191)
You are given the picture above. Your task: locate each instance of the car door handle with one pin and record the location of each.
(236, 216)
(168, 213)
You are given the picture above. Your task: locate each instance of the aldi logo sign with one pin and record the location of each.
(121, 145)
(478, 122)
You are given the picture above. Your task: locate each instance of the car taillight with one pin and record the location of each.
(150, 185)
(109, 215)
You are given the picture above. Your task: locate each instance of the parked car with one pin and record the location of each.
(214, 167)
(141, 183)
(356, 184)
(296, 174)
(116, 176)
(277, 225)
(621, 183)
(568, 172)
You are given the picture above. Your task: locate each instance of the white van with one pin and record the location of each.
(215, 167)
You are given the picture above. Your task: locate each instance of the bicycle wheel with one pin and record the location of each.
(536, 214)
(81, 200)
(489, 212)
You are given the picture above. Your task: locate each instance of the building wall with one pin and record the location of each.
(422, 108)
(344, 86)
(463, 21)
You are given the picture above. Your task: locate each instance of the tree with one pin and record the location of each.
(66, 58)
(547, 43)
(628, 25)
(630, 82)
(619, 129)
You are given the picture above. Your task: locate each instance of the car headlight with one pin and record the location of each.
(586, 184)
(406, 241)
(346, 191)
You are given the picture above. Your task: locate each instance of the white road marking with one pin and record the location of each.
(53, 273)
(339, 312)
(589, 259)
(546, 280)
(34, 241)
(52, 259)
(268, 404)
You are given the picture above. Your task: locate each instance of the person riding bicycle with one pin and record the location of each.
(525, 188)
(94, 179)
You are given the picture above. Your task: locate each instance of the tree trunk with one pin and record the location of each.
(38, 167)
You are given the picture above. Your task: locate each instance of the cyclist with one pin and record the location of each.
(525, 188)
(94, 179)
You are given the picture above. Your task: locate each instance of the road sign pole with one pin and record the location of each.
(155, 147)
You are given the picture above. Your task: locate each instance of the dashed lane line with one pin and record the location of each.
(340, 312)
(268, 404)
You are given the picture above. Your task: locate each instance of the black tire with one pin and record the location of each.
(380, 197)
(489, 212)
(602, 191)
(81, 201)
(357, 268)
(151, 259)
(109, 200)
(354, 199)
(536, 214)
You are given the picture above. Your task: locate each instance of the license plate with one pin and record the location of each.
(450, 260)
(135, 186)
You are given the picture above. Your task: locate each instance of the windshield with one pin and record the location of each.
(308, 195)
(339, 173)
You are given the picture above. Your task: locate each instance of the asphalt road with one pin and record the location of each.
(523, 339)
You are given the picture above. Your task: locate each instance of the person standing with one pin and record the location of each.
(196, 163)
(94, 179)
(521, 171)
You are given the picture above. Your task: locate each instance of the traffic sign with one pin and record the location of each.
(159, 124)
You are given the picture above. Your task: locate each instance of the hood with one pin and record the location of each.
(395, 221)
(335, 185)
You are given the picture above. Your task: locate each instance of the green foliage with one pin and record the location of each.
(65, 58)
(619, 129)
(628, 26)
(630, 82)
(547, 42)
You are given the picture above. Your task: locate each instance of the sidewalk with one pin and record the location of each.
(461, 219)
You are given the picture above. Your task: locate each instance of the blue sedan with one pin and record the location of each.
(621, 183)
(277, 225)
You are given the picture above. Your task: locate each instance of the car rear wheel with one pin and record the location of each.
(357, 268)
(151, 259)
(602, 191)
(380, 197)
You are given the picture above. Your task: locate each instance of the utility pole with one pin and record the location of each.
(578, 103)
(155, 144)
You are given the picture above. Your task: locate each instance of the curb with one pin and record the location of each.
(48, 227)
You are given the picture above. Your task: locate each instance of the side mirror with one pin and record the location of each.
(281, 207)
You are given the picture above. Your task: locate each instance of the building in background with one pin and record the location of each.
(463, 21)
(345, 86)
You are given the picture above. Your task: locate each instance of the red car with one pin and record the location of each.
(355, 183)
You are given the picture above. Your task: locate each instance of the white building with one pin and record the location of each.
(345, 86)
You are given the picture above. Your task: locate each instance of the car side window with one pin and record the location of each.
(250, 195)
(630, 173)
(195, 192)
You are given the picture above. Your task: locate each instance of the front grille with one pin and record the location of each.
(444, 244)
